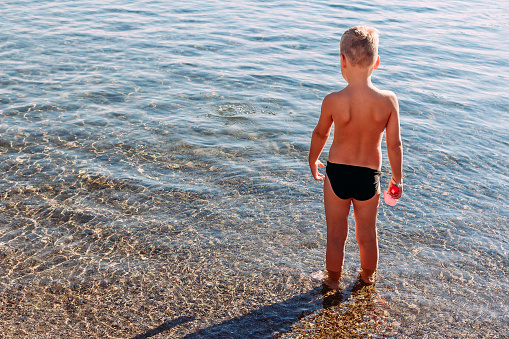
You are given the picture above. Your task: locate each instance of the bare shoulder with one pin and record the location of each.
(334, 99)
(389, 95)
(334, 96)
(389, 98)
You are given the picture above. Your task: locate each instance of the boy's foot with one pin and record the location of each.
(332, 284)
(332, 279)
(360, 289)
(368, 276)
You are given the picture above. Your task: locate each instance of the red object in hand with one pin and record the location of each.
(394, 189)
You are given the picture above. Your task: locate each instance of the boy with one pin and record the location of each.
(360, 113)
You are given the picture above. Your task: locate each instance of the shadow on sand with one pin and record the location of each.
(268, 321)
(164, 327)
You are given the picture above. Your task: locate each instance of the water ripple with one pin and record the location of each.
(153, 174)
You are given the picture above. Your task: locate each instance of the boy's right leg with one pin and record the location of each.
(336, 214)
(365, 213)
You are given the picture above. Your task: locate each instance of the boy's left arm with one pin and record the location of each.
(394, 145)
(319, 139)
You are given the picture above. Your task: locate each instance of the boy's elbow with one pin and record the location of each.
(318, 134)
(396, 146)
(394, 142)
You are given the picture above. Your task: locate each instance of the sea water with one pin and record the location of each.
(154, 177)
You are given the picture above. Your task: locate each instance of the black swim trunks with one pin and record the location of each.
(348, 181)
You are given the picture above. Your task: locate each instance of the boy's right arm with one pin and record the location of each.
(394, 144)
(319, 138)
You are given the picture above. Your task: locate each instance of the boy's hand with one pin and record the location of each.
(314, 170)
(399, 191)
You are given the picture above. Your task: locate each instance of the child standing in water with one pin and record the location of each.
(360, 113)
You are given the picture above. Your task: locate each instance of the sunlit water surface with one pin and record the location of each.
(154, 178)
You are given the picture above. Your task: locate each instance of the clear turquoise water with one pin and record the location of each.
(164, 146)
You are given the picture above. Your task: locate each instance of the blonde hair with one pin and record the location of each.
(360, 45)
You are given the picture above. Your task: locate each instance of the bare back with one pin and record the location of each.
(360, 116)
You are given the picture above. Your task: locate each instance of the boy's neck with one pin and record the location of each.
(360, 81)
(359, 76)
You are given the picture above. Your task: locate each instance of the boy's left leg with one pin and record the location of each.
(336, 214)
(365, 213)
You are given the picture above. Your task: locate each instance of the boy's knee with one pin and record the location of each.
(337, 234)
(366, 238)
(337, 239)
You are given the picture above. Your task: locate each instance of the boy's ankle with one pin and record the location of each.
(332, 280)
(368, 276)
(333, 275)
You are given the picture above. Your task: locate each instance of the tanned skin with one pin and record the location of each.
(360, 113)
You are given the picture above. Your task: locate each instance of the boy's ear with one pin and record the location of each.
(377, 62)
(343, 61)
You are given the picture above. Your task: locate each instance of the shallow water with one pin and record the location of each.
(154, 179)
